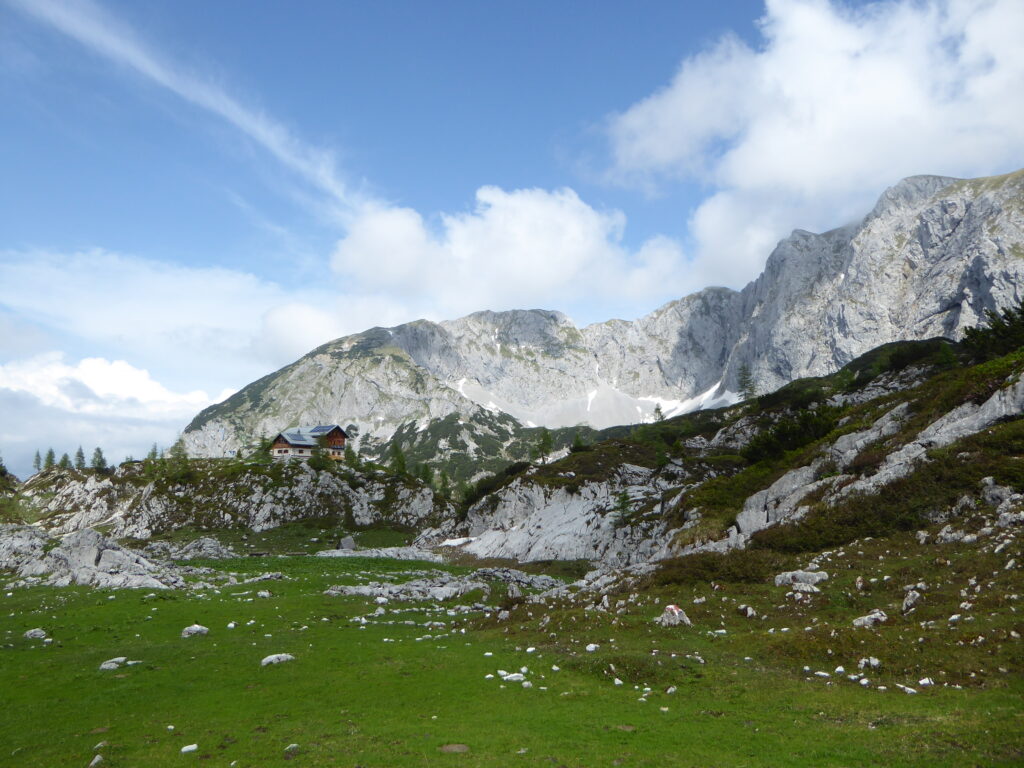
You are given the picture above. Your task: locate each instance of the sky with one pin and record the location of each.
(195, 194)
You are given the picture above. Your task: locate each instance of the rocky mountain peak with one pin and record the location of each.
(932, 256)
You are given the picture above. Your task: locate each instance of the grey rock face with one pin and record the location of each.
(204, 548)
(527, 521)
(932, 256)
(85, 557)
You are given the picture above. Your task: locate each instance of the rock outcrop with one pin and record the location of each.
(86, 558)
(130, 504)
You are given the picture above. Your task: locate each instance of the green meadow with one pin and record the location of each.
(396, 692)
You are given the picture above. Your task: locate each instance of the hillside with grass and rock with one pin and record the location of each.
(140, 499)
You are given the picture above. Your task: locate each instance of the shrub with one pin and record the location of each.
(791, 433)
(1003, 334)
(740, 566)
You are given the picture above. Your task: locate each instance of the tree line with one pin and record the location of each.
(98, 462)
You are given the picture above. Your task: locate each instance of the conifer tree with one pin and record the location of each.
(544, 445)
(51, 459)
(351, 458)
(37, 462)
(99, 461)
(79, 459)
(398, 463)
(745, 381)
(65, 461)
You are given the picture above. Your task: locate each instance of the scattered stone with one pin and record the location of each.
(873, 619)
(391, 553)
(35, 634)
(591, 647)
(440, 587)
(277, 658)
(747, 612)
(189, 748)
(97, 760)
(800, 577)
(672, 616)
(912, 598)
(193, 630)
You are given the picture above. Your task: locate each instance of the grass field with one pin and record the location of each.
(395, 694)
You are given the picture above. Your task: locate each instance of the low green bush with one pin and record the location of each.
(740, 566)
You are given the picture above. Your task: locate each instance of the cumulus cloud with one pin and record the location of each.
(47, 401)
(836, 103)
(526, 247)
(188, 324)
(97, 386)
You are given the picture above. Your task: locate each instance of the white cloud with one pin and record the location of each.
(837, 103)
(518, 248)
(204, 326)
(96, 386)
(48, 402)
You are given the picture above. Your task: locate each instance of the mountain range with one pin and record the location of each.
(929, 260)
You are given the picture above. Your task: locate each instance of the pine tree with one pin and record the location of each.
(319, 459)
(153, 453)
(99, 461)
(351, 458)
(79, 459)
(544, 445)
(745, 382)
(623, 509)
(37, 462)
(65, 461)
(659, 415)
(444, 485)
(398, 463)
(51, 459)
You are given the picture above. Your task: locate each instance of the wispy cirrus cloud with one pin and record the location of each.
(106, 35)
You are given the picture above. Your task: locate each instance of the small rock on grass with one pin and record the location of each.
(873, 619)
(97, 760)
(189, 748)
(276, 658)
(35, 634)
(194, 629)
(673, 616)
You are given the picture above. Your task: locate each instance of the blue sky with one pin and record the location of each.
(197, 193)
